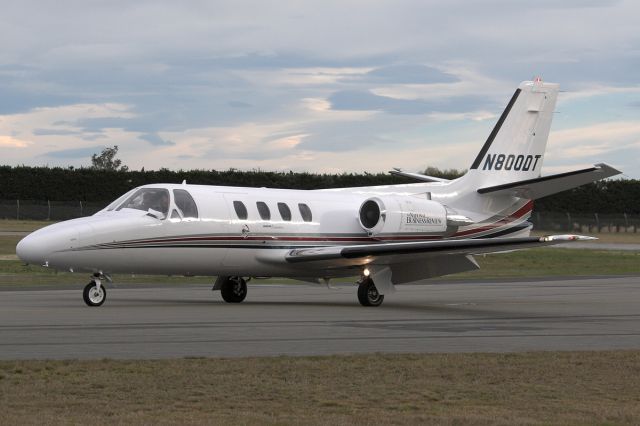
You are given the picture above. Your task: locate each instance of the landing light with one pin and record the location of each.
(366, 272)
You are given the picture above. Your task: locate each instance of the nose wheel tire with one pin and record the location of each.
(234, 290)
(94, 295)
(368, 293)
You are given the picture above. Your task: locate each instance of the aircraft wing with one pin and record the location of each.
(385, 253)
(547, 185)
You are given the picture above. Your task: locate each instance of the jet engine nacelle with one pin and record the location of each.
(396, 214)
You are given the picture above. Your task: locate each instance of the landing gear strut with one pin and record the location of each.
(94, 293)
(368, 293)
(233, 289)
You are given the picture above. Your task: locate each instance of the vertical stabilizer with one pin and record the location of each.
(515, 148)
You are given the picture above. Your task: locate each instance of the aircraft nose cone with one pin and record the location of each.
(29, 250)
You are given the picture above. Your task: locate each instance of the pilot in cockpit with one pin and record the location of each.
(160, 202)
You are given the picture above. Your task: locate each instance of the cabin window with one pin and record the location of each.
(241, 210)
(285, 213)
(263, 209)
(184, 201)
(305, 212)
(148, 198)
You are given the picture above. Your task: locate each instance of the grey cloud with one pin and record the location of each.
(53, 132)
(156, 140)
(93, 136)
(98, 124)
(406, 74)
(22, 99)
(75, 153)
(239, 104)
(365, 101)
(353, 135)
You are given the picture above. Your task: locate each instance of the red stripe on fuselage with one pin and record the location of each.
(522, 211)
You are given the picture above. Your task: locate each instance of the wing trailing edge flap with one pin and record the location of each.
(533, 189)
(386, 277)
(406, 253)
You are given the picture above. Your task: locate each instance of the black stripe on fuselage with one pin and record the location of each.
(495, 130)
(227, 245)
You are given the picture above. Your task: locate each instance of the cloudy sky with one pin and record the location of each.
(325, 86)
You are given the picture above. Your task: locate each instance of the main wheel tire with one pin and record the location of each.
(234, 290)
(92, 296)
(368, 294)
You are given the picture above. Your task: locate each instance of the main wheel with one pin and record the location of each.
(234, 290)
(368, 293)
(93, 296)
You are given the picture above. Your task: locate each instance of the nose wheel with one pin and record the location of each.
(94, 293)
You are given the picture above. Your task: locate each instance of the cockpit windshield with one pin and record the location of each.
(119, 200)
(148, 198)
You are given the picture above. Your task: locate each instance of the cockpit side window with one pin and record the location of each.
(184, 201)
(148, 198)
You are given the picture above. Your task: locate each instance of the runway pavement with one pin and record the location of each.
(192, 321)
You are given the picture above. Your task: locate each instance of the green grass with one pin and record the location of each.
(22, 225)
(8, 246)
(505, 389)
(555, 262)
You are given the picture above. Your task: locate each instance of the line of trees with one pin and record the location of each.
(103, 185)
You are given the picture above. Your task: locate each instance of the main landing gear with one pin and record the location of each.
(368, 293)
(232, 289)
(94, 293)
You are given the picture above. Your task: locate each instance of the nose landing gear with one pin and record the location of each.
(94, 293)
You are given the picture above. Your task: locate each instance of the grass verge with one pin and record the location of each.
(509, 389)
(22, 225)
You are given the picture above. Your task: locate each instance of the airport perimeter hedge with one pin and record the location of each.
(90, 185)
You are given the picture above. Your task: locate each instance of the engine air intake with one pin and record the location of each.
(369, 214)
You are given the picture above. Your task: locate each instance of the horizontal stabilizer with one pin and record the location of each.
(533, 189)
(417, 176)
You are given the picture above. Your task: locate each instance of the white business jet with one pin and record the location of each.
(385, 235)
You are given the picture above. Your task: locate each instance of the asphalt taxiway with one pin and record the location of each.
(192, 321)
